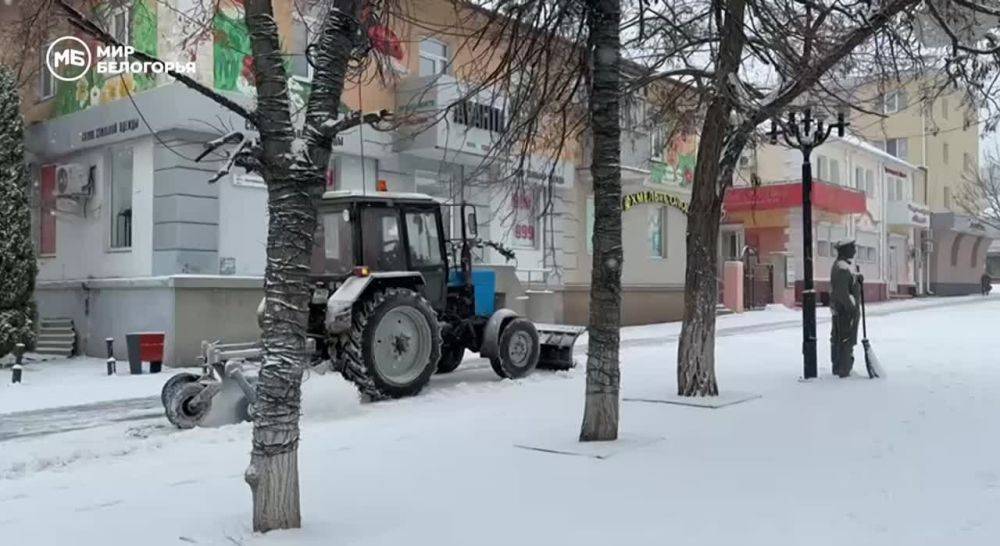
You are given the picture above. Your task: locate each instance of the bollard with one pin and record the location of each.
(17, 369)
(112, 363)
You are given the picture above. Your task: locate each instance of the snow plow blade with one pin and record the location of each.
(556, 342)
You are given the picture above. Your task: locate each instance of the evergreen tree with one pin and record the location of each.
(17, 255)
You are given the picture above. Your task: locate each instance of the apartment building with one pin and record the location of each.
(937, 129)
(859, 192)
(132, 237)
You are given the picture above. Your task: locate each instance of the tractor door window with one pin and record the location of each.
(380, 238)
(425, 242)
(336, 243)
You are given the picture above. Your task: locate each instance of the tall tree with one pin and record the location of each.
(17, 255)
(293, 162)
(600, 415)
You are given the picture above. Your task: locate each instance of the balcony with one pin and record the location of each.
(907, 214)
(464, 135)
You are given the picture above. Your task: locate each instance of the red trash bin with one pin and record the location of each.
(145, 347)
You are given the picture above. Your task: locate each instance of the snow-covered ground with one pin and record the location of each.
(912, 459)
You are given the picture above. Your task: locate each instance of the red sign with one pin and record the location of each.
(829, 197)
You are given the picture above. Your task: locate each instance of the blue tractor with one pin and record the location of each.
(394, 302)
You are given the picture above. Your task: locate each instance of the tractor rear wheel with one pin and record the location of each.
(174, 383)
(394, 345)
(518, 349)
(451, 357)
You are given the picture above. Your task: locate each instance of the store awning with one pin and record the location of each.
(828, 197)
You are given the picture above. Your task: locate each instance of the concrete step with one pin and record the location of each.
(61, 331)
(59, 335)
(56, 323)
(56, 345)
(65, 353)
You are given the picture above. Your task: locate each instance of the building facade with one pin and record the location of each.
(859, 192)
(131, 235)
(939, 131)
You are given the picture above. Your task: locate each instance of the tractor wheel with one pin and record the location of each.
(518, 349)
(175, 383)
(394, 345)
(181, 412)
(451, 357)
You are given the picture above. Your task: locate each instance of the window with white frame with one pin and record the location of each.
(944, 152)
(46, 82)
(120, 198)
(302, 31)
(834, 171)
(658, 232)
(433, 57)
(657, 143)
(897, 147)
(859, 178)
(869, 181)
(118, 22)
(893, 102)
(822, 167)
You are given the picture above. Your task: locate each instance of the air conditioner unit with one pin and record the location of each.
(746, 161)
(72, 180)
(928, 246)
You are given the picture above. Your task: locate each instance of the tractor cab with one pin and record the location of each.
(382, 233)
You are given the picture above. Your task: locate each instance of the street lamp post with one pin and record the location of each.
(805, 134)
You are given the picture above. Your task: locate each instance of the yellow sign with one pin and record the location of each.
(650, 196)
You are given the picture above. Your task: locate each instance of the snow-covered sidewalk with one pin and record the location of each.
(911, 459)
(75, 381)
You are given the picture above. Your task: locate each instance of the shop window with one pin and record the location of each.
(944, 152)
(120, 198)
(823, 249)
(524, 205)
(433, 57)
(47, 211)
(955, 247)
(658, 232)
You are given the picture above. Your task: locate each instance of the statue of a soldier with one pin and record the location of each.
(845, 297)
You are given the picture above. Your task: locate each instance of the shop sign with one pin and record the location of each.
(653, 197)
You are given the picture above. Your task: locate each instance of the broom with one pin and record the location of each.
(871, 361)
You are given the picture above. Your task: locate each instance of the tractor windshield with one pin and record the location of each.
(334, 252)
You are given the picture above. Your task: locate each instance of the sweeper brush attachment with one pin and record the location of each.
(871, 361)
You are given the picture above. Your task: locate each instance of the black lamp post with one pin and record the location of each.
(806, 133)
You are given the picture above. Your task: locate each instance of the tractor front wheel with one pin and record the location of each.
(180, 408)
(518, 350)
(394, 345)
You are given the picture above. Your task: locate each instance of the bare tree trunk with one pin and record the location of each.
(273, 472)
(294, 176)
(600, 416)
(696, 349)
